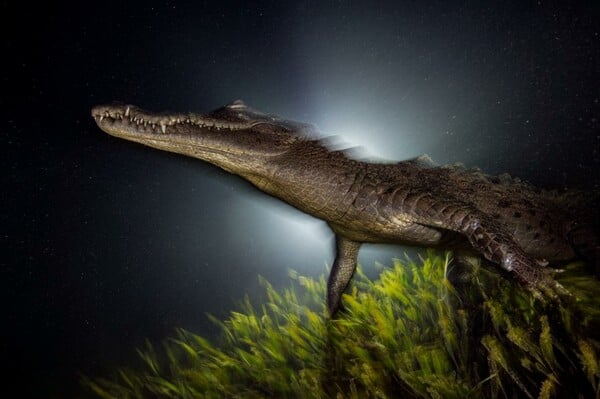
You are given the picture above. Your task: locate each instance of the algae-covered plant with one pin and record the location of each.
(411, 334)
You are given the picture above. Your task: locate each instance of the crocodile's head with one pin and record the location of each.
(234, 137)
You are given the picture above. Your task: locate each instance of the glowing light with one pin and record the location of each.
(275, 230)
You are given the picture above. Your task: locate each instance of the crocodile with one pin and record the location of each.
(508, 222)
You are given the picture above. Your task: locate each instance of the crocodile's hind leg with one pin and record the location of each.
(484, 234)
(497, 246)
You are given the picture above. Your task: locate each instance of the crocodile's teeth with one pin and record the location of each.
(127, 112)
(101, 117)
(163, 128)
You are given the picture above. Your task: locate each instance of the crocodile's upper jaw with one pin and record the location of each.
(234, 137)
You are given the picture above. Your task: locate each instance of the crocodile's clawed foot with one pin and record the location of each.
(549, 290)
(540, 280)
(550, 286)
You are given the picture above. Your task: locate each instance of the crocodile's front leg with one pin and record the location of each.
(341, 272)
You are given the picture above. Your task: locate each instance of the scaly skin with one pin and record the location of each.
(507, 222)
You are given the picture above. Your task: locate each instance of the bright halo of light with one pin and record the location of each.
(278, 231)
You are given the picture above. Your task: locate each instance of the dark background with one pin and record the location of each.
(105, 243)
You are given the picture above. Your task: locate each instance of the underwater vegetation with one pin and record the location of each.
(412, 334)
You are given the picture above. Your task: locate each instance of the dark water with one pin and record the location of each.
(106, 243)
